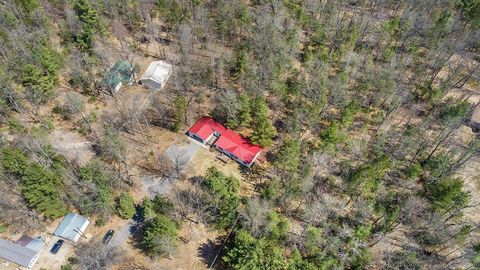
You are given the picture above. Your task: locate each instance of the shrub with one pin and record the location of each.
(125, 206)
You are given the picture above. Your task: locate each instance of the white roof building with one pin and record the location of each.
(156, 75)
(72, 227)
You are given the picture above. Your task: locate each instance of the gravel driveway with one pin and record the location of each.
(185, 152)
(180, 155)
(122, 235)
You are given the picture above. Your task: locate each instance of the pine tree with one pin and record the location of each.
(447, 194)
(125, 206)
(263, 130)
(244, 115)
(160, 236)
(240, 64)
(13, 160)
(367, 178)
(90, 23)
(222, 196)
(296, 262)
(277, 227)
(101, 201)
(39, 78)
(248, 253)
(288, 157)
(471, 11)
(40, 187)
(180, 112)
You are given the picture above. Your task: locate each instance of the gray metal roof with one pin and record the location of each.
(72, 227)
(35, 244)
(17, 254)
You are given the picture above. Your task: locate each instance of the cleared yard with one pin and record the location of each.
(48, 260)
(72, 145)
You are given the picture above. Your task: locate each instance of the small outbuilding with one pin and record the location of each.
(72, 227)
(23, 253)
(121, 73)
(156, 75)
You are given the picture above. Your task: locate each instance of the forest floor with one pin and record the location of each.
(197, 253)
(72, 145)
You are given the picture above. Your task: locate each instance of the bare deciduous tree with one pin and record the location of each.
(97, 256)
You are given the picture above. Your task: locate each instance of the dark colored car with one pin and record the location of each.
(56, 247)
(108, 236)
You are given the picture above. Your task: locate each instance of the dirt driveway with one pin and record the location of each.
(51, 261)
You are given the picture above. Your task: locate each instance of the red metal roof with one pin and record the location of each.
(233, 143)
(229, 140)
(205, 127)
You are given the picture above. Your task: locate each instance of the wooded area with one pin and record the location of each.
(364, 109)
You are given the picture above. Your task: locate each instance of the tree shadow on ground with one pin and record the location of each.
(137, 229)
(209, 250)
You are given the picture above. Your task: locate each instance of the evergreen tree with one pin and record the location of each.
(447, 194)
(125, 206)
(90, 24)
(40, 187)
(248, 253)
(13, 160)
(288, 157)
(244, 115)
(180, 104)
(40, 77)
(277, 227)
(240, 63)
(160, 236)
(99, 199)
(331, 136)
(29, 5)
(368, 177)
(263, 130)
(222, 196)
(471, 11)
(172, 12)
(296, 262)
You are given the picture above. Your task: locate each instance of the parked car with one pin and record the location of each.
(108, 236)
(56, 247)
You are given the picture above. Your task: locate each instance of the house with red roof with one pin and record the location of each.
(208, 131)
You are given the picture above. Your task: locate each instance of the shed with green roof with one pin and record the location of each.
(119, 74)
